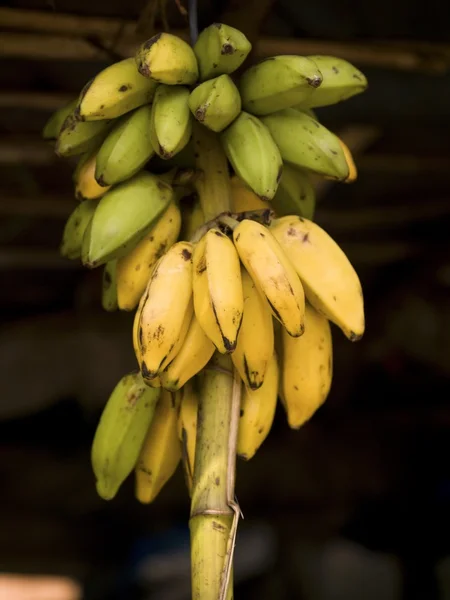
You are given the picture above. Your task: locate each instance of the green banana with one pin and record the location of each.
(109, 286)
(166, 58)
(123, 217)
(77, 137)
(220, 50)
(306, 143)
(171, 122)
(278, 82)
(295, 194)
(55, 122)
(253, 154)
(115, 91)
(307, 111)
(121, 432)
(216, 102)
(341, 80)
(75, 228)
(126, 148)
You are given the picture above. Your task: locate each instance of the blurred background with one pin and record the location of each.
(356, 504)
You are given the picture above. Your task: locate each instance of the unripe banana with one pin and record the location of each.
(165, 309)
(86, 186)
(255, 343)
(135, 268)
(75, 228)
(123, 217)
(257, 412)
(341, 80)
(168, 59)
(352, 170)
(307, 144)
(120, 433)
(278, 82)
(126, 148)
(272, 273)
(193, 355)
(55, 122)
(295, 194)
(76, 137)
(109, 286)
(307, 369)
(192, 217)
(218, 296)
(115, 91)
(187, 429)
(253, 154)
(171, 120)
(161, 451)
(243, 198)
(330, 282)
(215, 103)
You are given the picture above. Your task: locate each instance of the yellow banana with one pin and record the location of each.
(121, 432)
(272, 273)
(165, 309)
(86, 186)
(193, 355)
(187, 429)
(307, 369)
(218, 296)
(243, 198)
(352, 170)
(257, 412)
(330, 282)
(171, 120)
(135, 268)
(161, 451)
(109, 286)
(255, 343)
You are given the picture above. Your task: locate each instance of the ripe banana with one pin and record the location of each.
(307, 369)
(306, 143)
(75, 228)
(215, 103)
(295, 194)
(330, 282)
(109, 286)
(120, 433)
(161, 451)
(86, 186)
(255, 343)
(192, 216)
(168, 59)
(123, 217)
(193, 355)
(76, 137)
(53, 125)
(187, 429)
(218, 296)
(220, 49)
(243, 198)
(135, 268)
(341, 80)
(115, 91)
(126, 148)
(278, 82)
(253, 154)
(165, 309)
(272, 273)
(171, 121)
(257, 412)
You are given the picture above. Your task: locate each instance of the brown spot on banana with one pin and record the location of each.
(186, 254)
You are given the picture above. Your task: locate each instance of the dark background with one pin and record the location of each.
(356, 504)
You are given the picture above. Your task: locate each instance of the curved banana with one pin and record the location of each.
(123, 217)
(215, 103)
(171, 121)
(76, 137)
(161, 451)
(295, 194)
(272, 273)
(278, 82)
(135, 268)
(253, 154)
(352, 170)
(168, 59)
(75, 228)
(126, 148)
(165, 308)
(220, 49)
(115, 91)
(120, 433)
(243, 198)
(109, 286)
(218, 296)
(86, 186)
(255, 342)
(187, 429)
(257, 412)
(330, 282)
(55, 122)
(307, 369)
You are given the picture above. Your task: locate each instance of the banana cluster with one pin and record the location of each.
(261, 283)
